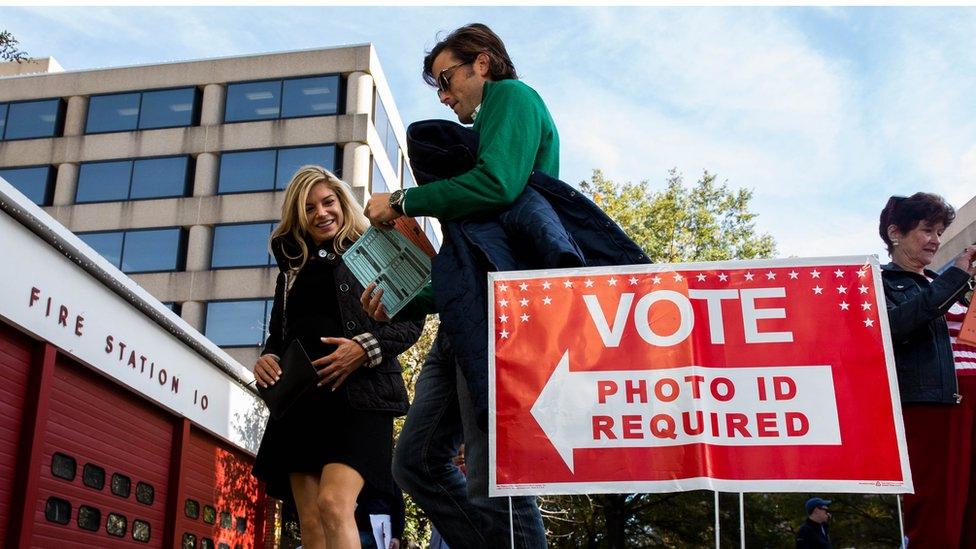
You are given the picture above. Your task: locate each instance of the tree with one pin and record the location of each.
(9, 50)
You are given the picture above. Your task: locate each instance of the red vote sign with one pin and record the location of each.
(772, 375)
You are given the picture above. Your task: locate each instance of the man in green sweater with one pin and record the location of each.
(476, 79)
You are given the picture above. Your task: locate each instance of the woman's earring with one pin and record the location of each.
(894, 242)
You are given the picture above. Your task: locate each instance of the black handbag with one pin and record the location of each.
(297, 376)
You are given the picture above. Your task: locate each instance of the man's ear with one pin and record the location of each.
(482, 64)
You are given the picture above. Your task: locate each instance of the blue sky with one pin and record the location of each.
(823, 112)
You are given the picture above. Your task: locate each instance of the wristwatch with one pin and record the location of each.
(396, 201)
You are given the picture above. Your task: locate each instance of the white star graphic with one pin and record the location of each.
(863, 289)
(633, 281)
(861, 272)
(750, 276)
(504, 334)
(817, 290)
(547, 300)
(546, 285)
(794, 275)
(503, 319)
(844, 306)
(841, 290)
(503, 288)
(523, 286)
(868, 322)
(838, 273)
(770, 275)
(815, 273)
(523, 302)
(524, 317)
(503, 303)
(568, 283)
(612, 281)
(723, 277)
(700, 277)
(678, 277)
(656, 279)
(588, 283)
(866, 306)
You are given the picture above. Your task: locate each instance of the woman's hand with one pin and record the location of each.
(372, 304)
(965, 260)
(334, 368)
(266, 370)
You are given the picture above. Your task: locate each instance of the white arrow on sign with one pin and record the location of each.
(570, 412)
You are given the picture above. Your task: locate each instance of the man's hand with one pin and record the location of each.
(379, 212)
(266, 370)
(337, 366)
(372, 304)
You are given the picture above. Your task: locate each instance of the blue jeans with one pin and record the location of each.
(441, 412)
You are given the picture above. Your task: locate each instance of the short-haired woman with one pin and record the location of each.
(936, 374)
(338, 436)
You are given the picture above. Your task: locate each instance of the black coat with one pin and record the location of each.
(378, 389)
(813, 535)
(919, 334)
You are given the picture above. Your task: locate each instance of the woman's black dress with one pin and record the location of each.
(321, 427)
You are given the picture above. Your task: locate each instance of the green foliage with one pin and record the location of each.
(705, 222)
(9, 50)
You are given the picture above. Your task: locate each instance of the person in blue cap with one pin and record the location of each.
(815, 533)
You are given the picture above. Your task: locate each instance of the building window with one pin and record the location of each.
(140, 530)
(143, 110)
(145, 493)
(63, 466)
(384, 128)
(189, 541)
(223, 545)
(209, 514)
(89, 518)
(93, 476)
(174, 306)
(291, 98)
(206, 543)
(269, 169)
(191, 508)
(31, 119)
(116, 525)
(408, 179)
(378, 183)
(241, 245)
(239, 323)
(134, 179)
(241, 525)
(36, 183)
(121, 485)
(226, 521)
(140, 250)
(57, 510)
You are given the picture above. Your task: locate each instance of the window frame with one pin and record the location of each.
(340, 99)
(52, 177)
(194, 117)
(181, 248)
(336, 165)
(187, 178)
(58, 119)
(271, 259)
(268, 305)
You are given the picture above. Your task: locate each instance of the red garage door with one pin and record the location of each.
(104, 465)
(220, 510)
(16, 353)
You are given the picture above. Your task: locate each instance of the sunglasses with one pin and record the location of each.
(444, 78)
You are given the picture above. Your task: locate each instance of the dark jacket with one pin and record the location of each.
(376, 389)
(919, 334)
(551, 225)
(813, 535)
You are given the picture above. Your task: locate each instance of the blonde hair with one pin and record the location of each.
(294, 221)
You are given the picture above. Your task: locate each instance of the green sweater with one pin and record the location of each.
(516, 136)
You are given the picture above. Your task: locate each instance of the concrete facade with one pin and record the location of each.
(360, 155)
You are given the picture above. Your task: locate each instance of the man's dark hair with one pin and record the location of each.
(906, 213)
(466, 43)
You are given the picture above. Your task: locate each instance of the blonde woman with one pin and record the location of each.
(338, 436)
